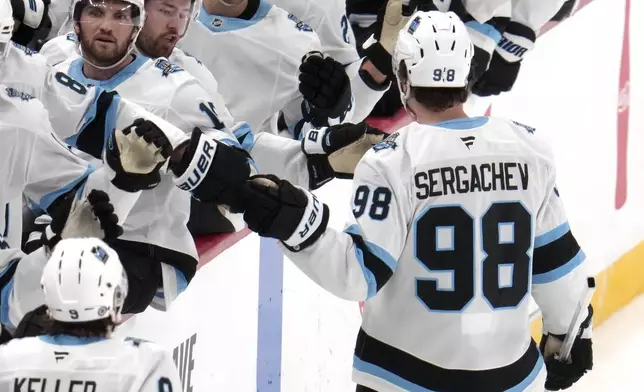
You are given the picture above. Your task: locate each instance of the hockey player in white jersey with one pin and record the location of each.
(85, 286)
(457, 222)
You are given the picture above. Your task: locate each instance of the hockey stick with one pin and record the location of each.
(575, 325)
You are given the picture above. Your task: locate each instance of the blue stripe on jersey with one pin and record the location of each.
(552, 235)
(49, 198)
(376, 250)
(221, 24)
(76, 72)
(245, 134)
(531, 377)
(67, 340)
(366, 367)
(182, 283)
(369, 277)
(561, 271)
(485, 29)
(463, 124)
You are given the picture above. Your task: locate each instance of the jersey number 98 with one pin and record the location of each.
(445, 238)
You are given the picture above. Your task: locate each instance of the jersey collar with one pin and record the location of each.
(76, 72)
(222, 24)
(68, 340)
(463, 124)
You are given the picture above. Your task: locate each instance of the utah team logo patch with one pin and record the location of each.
(167, 67)
(13, 93)
(299, 24)
(389, 142)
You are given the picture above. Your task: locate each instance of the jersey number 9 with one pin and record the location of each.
(165, 385)
(445, 238)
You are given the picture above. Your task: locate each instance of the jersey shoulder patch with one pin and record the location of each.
(13, 93)
(299, 24)
(167, 67)
(71, 37)
(528, 128)
(388, 143)
(26, 50)
(136, 342)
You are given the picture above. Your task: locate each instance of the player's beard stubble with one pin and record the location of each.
(159, 46)
(103, 49)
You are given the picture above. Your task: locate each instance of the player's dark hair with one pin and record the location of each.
(90, 329)
(436, 99)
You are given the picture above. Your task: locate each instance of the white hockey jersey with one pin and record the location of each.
(456, 225)
(67, 363)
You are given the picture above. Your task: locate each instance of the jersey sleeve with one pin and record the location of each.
(535, 14)
(30, 171)
(59, 49)
(164, 376)
(559, 270)
(276, 155)
(356, 263)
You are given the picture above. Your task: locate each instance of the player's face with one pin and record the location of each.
(106, 31)
(166, 22)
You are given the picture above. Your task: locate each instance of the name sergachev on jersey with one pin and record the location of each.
(486, 177)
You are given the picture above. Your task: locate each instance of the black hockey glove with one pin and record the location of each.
(32, 324)
(335, 151)
(563, 375)
(32, 16)
(136, 154)
(326, 89)
(211, 171)
(72, 218)
(278, 209)
(506, 61)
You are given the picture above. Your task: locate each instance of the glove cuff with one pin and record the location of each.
(380, 58)
(196, 162)
(516, 42)
(312, 225)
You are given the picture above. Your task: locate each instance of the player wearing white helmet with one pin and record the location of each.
(457, 222)
(85, 286)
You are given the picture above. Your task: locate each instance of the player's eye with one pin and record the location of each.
(121, 16)
(166, 11)
(95, 12)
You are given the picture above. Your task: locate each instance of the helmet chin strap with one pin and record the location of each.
(227, 4)
(404, 96)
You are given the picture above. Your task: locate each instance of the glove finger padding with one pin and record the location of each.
(357, 140)
(274, 206)
(563, 375)
(325, 85)
(280, 210)
(92, 217)
(136, 154)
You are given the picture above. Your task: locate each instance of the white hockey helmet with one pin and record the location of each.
(6, 27)
(436, 50)
(138, 19)
(84, 281)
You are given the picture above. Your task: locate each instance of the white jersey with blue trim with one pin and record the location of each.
(456, 225)
(255, 61)
(66, 363)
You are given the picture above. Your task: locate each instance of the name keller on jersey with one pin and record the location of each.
(34, 384)
(486, 177)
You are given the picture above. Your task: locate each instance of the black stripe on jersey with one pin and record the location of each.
(555, 254)
(378, 268)
(432, 377)
(92, 138)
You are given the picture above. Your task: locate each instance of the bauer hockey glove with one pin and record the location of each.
(276, 208)
(211, 171)
(137, 154)
(335, 151)
(73, 218)
(562, 375)
(506, 61)
(326, 89)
